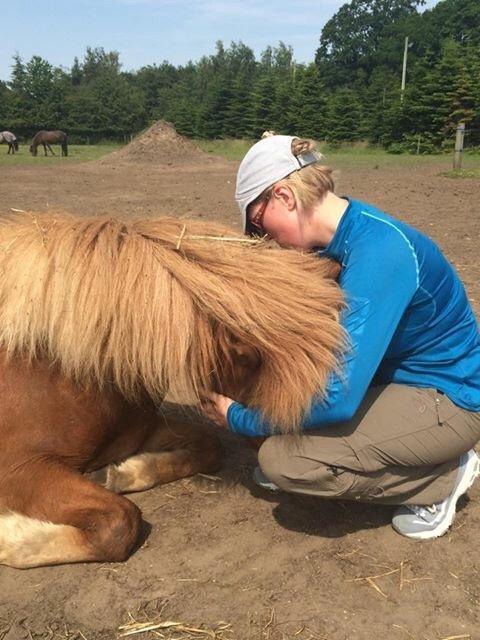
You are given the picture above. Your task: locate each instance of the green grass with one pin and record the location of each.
(229, 149)
(76, 153)
(345, 157)
(351, 156)
(463, 173)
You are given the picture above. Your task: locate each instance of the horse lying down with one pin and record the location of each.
(99, 319)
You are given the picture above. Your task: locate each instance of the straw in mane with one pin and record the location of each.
(153, 305)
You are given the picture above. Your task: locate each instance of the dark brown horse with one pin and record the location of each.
(46, 138)
(99, 318)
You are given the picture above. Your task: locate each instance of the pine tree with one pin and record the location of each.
(264, 104)
(343, 116)
(309, 105)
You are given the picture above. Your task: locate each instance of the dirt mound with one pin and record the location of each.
(159, 144)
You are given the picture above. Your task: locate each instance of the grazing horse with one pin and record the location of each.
(99, 319)
(47, 138)
(7, 137)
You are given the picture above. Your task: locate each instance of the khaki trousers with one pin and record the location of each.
(402, 447)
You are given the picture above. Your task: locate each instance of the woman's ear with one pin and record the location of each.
(285, 194)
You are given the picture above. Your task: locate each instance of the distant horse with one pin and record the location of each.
(7, 137)
(99, 318)
(46, 138)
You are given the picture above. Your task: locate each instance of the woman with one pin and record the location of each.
(399, 421)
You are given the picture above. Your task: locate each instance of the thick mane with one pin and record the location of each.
(153, 305)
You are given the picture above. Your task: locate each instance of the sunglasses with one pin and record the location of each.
(257, 219)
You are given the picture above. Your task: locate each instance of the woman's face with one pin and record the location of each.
(281, 218)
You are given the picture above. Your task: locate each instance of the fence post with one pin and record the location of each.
(458, 156)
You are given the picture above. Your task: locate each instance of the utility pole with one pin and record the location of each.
(457, 158)
(404, 70)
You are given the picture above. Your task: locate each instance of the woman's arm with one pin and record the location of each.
(379, 282)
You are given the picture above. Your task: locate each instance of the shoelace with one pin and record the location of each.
(423, 512)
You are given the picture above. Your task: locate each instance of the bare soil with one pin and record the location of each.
(219, 549)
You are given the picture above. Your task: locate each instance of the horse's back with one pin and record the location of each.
(50, 136)
(7, 136)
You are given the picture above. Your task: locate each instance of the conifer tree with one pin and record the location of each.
(310, 104)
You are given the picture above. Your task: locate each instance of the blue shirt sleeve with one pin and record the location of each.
(379, 280)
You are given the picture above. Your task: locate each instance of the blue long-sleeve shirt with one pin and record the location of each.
(408, 319)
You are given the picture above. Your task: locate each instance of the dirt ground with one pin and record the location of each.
(219, 553)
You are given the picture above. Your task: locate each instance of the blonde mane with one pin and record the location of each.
(152, 305)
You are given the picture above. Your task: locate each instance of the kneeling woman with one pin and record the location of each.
(399, 421)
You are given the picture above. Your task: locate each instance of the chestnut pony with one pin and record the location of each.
(99, 319)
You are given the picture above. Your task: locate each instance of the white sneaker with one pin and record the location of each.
(261, 479)
(422, 523)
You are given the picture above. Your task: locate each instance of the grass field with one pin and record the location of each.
(76, 153)
(357, 155)
(345, 157)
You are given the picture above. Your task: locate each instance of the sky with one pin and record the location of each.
(150, 31)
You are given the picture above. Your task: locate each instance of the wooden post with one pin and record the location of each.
(458, 156)
(418, 144)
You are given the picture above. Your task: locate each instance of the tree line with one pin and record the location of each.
(350, 91)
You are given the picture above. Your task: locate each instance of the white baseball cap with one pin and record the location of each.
(268, 161)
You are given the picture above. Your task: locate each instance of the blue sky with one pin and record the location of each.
(148, 31)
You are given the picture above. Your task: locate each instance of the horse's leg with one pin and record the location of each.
(51, 430)
(176, 449)
(50, 149)
(58, 516)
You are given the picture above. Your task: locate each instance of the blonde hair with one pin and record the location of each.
(157, 305)
(309, 184)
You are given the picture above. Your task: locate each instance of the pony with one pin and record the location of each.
(46, 138)
(100, 318)
(7, 137)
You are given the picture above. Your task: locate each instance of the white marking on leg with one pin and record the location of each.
(136, 473)
(26, 542)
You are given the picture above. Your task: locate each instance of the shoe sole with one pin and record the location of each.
(465, 484)
(268, 486)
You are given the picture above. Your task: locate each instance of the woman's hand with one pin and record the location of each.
(215, 407)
